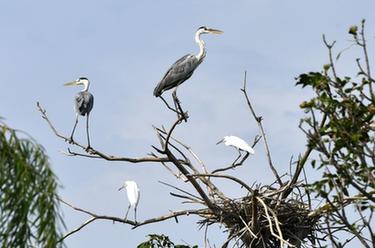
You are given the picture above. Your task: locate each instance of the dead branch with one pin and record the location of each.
(95, 153)
(258, 119)
(95, 216)
(225, 176)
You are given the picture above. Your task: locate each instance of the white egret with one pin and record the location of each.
(132, 191)
(237, 143)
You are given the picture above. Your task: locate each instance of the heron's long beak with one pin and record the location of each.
(214, 31)
(220, 142)
(121, 188)
(71, 83)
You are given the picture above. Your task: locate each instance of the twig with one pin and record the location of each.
(183, 170)
(188, 148)
(301, 163)
(181, 190)
(206, 181)
(248, 228)
(224, 176)
(280, 236)
(364, 46)
(258, 119)
(92, 219)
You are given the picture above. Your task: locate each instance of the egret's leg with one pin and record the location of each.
(126, 215)
(178, 105)
(135, 214)
(166, 103)
(87, 132)
(74, 128)
(239, 155)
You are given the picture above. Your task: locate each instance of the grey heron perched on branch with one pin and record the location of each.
(83, 103)
(182, 70)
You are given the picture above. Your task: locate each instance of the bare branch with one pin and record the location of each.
(258, 119)
(92, 219)
(94, 153)
(225, 176)
(170, 215)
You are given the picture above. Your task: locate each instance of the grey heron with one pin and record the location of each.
(132, 192)
(237, 143)
(83, 103)
(182, 70)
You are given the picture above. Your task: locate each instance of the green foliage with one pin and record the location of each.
(340, 129)
(344, 137)
(353, 30)
(161, 241)
(29, 214)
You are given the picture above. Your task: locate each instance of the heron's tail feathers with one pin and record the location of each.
(158, 90)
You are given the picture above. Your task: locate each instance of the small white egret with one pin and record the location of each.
(132, 191)
(237, 143)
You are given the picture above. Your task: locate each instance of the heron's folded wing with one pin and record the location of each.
(180, 71)
(84, 101)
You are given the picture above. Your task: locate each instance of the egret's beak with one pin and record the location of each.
(121, 188)
(214, 31)
(71, 83)
(220, 142)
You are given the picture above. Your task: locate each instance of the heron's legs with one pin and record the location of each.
(74, 128)
(87, 132)
(239, 155)
(178, 106)
(169, 107)
(126, 215)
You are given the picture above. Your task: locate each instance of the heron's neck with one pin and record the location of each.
(202, 48)
(86, 85)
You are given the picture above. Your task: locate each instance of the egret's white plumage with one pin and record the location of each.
(237, 143)
(133, 194)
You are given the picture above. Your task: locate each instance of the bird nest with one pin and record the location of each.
(264, 219)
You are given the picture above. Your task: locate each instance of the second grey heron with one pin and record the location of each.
(183, 68)
(83, 103)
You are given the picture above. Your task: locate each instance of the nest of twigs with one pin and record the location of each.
(264, 219)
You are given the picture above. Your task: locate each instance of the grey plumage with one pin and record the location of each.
(84, 101)
(179, 72)
(182, 70)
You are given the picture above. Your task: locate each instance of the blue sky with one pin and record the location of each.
(124, 48)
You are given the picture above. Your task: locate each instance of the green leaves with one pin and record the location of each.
(338, 128)
(28, 202)
(314, 79)
(161, 241)
(353, 30)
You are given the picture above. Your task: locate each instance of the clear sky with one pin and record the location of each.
(124, 48)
